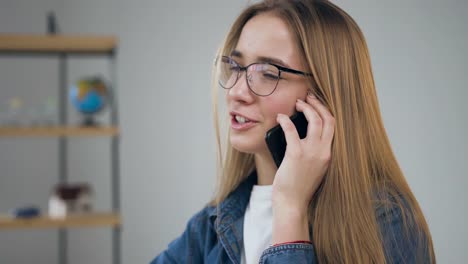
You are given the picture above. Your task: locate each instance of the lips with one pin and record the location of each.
(240, 122)
(239, 116)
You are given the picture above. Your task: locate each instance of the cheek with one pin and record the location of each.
(277, 105)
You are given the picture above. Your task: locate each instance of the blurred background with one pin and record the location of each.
(167, 145)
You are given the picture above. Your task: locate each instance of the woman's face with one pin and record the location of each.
(264, 36)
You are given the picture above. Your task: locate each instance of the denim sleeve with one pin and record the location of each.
(289, 253)
(187, 248)
(403, 243)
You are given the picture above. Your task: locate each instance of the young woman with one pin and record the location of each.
(339, 195)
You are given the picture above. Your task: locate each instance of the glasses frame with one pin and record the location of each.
(245, 68)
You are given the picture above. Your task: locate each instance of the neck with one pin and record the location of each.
(266, 168)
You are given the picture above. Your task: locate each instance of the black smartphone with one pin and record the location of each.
(276, 141)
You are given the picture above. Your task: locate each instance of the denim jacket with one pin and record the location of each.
(215, 235)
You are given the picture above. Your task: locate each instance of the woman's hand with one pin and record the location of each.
(301, 171)
(306, 160)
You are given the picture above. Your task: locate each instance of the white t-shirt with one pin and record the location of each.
(257, 224)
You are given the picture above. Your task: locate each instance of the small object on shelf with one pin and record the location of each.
(51, 23)
(89, 96)
(26, 212)
(14, 112)
(48, 112)
(70, 199)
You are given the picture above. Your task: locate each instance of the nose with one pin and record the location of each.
(240, 91)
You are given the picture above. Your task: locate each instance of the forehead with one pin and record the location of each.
(266, 35)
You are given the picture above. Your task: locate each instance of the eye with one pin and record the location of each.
(270, 76)
(268, 72)
(234, 67)
(232, 64)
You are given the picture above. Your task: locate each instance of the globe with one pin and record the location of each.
(88, 96)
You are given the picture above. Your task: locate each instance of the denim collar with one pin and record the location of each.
(228, 217)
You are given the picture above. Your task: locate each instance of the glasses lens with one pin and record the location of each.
(228, 71)
(262, 78)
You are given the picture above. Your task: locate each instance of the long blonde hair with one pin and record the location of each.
(343, 210)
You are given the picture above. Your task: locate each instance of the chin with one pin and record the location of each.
(247, 144)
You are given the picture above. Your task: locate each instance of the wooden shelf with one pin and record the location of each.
(58, 131)
(57, 43)
(85, 220)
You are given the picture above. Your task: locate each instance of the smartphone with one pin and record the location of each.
(276, 141)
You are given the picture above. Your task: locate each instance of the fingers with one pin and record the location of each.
(328, 121)
(314, 127)
(321, 124)
(290, 131)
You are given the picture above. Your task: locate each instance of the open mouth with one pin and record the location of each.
(241, 119)
(239, 122)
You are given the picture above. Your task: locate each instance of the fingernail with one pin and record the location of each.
(279, 116)
(299, 100)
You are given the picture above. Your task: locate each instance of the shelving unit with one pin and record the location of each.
(58, 131)
(88, 220)
(22, 43)
(64, 47)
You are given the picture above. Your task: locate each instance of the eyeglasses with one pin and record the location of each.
(262, 78)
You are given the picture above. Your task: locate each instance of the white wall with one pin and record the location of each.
(167, 149)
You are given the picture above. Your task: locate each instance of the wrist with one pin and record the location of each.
(290, 208)
(283, 201)
(290, 216)
(290, 224)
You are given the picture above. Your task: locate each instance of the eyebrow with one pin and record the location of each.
(238, 54)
